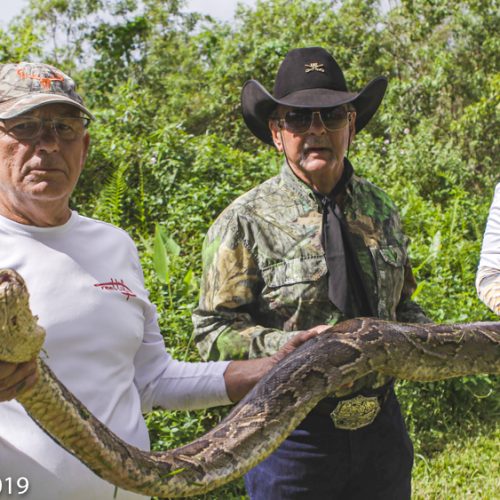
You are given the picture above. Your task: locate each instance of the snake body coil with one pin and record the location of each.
(264, 418)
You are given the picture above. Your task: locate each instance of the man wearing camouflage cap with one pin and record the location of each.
(314, 245)
(86, 286)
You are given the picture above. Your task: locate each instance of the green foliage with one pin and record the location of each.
(21, 42)
(434, 410)
(110, 202)
(170, 151)
(165, 254)
(166, 261)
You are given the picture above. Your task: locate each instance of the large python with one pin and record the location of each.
(259, 423)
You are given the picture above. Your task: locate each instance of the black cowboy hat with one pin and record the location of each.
(307, 78)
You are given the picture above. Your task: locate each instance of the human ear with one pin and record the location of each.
(275, 132)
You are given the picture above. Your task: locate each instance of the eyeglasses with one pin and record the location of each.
(299, 121)
(27, 128)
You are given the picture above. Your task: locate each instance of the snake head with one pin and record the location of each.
(21, 338)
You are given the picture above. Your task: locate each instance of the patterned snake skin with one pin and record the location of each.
(260, 422)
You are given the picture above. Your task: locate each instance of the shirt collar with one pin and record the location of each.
(292, 182)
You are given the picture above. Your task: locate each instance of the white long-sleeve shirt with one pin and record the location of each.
(103, 342)
(488, 274)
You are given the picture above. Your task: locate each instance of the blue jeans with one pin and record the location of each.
(320, 462)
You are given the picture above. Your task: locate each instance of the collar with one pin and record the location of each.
(344, 180)
(303, 190)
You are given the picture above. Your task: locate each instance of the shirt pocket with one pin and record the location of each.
(294, 271)
(296, 288)
(389, 261)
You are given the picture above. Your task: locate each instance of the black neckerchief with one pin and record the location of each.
(345, 287)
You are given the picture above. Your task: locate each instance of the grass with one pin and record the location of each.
(466, 468)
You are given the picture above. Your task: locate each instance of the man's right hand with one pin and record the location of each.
(298, 340)
(240, 376)
(15, 378)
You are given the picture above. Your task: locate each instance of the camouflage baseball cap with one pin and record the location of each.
(25, 86)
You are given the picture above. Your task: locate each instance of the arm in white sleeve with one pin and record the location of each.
(163, 381)
(488, 274)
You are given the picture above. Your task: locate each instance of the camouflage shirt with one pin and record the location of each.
(264, 270)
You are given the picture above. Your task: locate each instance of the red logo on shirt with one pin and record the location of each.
(117, 286)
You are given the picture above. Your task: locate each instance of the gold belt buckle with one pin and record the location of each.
(355, 413)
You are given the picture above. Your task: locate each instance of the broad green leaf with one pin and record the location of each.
(161, 260)
(165, 252)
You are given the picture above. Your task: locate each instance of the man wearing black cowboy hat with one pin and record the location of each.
(311, 247)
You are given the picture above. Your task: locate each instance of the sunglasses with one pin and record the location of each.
(299, 121)
(27, 128)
